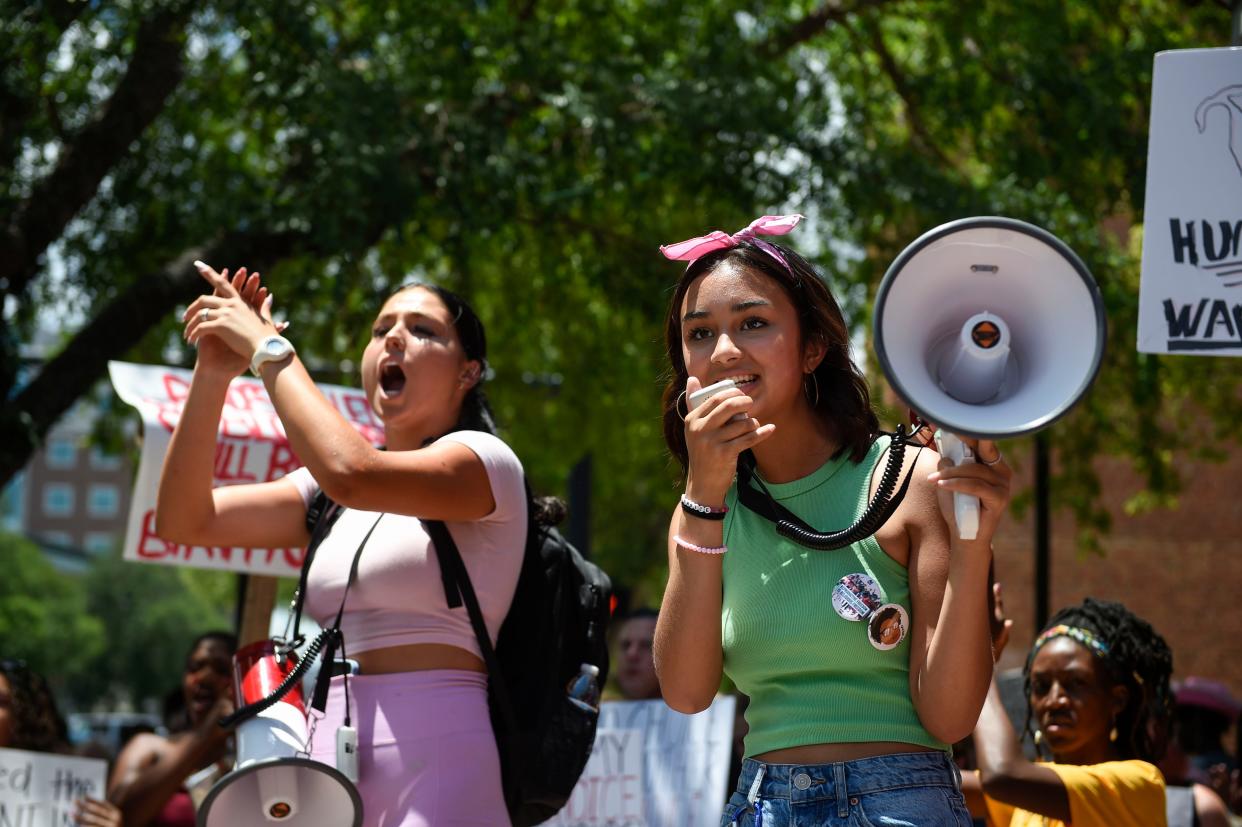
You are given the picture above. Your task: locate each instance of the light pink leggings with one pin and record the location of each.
(426, 753)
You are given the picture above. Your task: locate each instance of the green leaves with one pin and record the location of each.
(533, 156)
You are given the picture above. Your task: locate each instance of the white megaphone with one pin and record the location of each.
(274, 781)
(988, 327)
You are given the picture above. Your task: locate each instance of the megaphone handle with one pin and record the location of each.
(965, 506)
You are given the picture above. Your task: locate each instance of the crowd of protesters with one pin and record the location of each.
(860, 665)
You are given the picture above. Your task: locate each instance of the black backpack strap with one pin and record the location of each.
(453, 569)
(320, 515)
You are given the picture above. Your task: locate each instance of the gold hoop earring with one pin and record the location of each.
(815, 382)
(677, 406)
(1112, 733)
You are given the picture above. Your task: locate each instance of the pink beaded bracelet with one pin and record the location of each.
(700, 549)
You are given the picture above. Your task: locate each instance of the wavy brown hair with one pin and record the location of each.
(844, 400)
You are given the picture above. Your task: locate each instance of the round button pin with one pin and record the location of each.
(802, 781)
(888, 626)
(856, 596)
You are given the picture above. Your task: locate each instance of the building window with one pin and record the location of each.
(104, 462)
(103, 501)
(98, 542)
(57, 538)
(58, 499)
(61, 453)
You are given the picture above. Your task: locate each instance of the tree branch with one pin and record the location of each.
(119, 326)
(922, 136)
(153, 73)
(18, 103)
(832, 12)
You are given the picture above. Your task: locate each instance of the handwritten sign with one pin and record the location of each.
(652, 767)
(1190, 296)
(251, 446)
(37, 789)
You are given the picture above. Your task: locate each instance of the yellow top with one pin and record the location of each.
(1112, 794)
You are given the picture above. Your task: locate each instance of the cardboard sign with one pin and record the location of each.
(37, 789)
(1190, 298)
(251, 446)
(652, 767)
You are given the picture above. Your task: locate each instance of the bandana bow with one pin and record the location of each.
(695, 248)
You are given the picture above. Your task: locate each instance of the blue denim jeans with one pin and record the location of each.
(913, 788)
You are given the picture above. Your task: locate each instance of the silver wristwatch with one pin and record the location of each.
(271, 349)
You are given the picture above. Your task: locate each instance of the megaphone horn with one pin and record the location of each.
(989, 327)
(274, 782)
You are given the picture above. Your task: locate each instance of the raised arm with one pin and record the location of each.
(687, 647)
(151, 769)
(444, 481)
(188, 510)
(1005, 772)
(951, 645)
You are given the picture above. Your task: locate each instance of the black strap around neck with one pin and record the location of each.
(335, 637)
(793, 527)
(321, 514)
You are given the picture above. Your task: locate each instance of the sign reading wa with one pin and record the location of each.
(1190, 299)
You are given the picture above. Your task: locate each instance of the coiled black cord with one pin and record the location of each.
(312, 652)
(791, 527)
(881, 507)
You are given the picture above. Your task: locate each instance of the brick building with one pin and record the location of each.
(71, 498)
(1181, 570)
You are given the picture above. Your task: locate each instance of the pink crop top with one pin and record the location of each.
(398, 596)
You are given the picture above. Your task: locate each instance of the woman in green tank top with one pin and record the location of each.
(861, 663)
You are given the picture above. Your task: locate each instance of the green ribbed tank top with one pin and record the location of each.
(812, 676)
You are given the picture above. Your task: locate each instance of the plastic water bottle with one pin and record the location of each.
(583, 690)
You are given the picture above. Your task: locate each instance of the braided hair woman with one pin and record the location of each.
(1097, 683)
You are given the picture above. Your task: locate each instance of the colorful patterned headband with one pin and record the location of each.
(1084, 637)
(695, 248)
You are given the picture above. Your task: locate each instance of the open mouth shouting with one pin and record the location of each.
(201, 700)
(391, 379)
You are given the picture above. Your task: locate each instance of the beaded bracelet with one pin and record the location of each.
(705, 512)
(700, 549)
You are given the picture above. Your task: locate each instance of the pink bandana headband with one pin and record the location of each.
(695, 248)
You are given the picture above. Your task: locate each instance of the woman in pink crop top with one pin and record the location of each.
(427, 754)
(757, 313)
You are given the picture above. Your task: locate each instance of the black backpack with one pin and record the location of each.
(558, 621)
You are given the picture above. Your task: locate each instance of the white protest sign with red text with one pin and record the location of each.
(251, 446)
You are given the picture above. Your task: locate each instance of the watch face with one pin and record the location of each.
(273, 347)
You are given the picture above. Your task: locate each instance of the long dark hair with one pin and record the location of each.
(1138, 658)
(843, 399)
(476, 412)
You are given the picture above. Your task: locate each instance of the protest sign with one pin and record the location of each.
(251, 446)
(37, 789)
(1190, 296)
(653, 767)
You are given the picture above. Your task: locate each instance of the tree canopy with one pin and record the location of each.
(533, 156)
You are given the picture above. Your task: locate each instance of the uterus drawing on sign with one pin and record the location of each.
(1230, 100)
